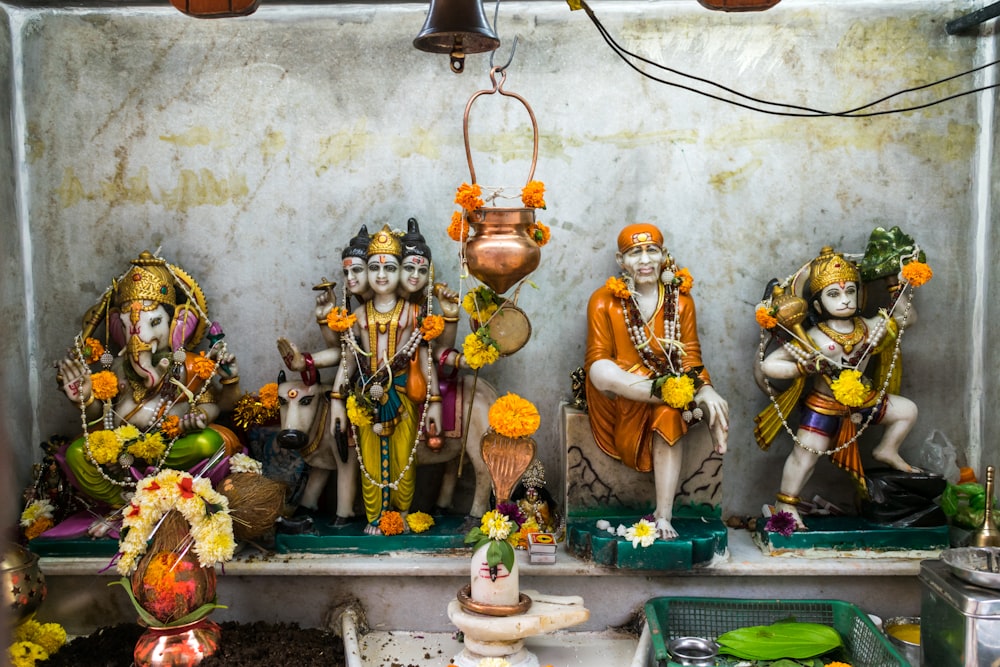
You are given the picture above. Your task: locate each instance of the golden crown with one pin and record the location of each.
(385, 243)
(149, 279)
(830, 268)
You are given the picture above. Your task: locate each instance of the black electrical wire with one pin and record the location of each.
(807, 112)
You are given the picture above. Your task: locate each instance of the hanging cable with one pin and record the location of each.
(798, 110)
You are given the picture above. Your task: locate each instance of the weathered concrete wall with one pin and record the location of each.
(251, 149)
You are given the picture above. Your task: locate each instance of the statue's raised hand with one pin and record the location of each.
(228, 367)
(75, 378)
(324, 304)
(447, 298)
(291, 355)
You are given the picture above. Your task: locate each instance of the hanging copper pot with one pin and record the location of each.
(501, 251)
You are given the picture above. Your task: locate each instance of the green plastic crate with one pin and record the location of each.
(670, 618)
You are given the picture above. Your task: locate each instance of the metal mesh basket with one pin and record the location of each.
(670, 618)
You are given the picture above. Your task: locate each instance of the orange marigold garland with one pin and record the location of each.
(105, 385)
(203, 367)
(539, 233)
(339, 320)
(764, 318)
(533, 194)
(458, 230)
(514, 417)
(390, 523)
(171, 426)
(618, 288)
(92, 349)
(269, 395)
(686, 280)
(431, 326)
(469, 197)
(917, 273)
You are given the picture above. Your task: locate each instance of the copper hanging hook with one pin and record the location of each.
(498, 88)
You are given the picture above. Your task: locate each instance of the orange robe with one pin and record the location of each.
(623, 428)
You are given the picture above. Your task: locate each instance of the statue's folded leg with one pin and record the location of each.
(193, 448)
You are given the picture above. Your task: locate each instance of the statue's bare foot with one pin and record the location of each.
(791, 509)
(372, 530)
(893, 460)
(665, 530)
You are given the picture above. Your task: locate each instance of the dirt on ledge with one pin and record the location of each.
(242, 645)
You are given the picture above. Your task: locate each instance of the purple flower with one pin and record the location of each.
(782, 523)
(512, 512)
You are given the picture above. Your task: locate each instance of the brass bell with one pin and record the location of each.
(456, 27)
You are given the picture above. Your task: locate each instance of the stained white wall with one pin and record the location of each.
(251, 149)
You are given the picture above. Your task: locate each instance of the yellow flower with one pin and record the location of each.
(684, 280)
(25, 654)
(539, 233)
(458, 230)
(419, 521)
(836, 664)
(533, 194)
(514, 416)
(104, 446)
(479, 352)
(764, 318)
(618, 288)
(50, 636)
(269, 395)
(105, 385)
(677, 391)
(390, 523)
(917, 273)
(148, 447)
(92, 349)
(481, 303)
(496, 525)
(203, 367)
(432, 326)
(357, 414)
(126, 433)
(849, 388)
(338, 319)
(468, 197)
(37, 509)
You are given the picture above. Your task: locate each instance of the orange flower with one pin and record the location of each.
(203, 367)
(686, 280)
(432, 326)
(171, 426)
(93, 349)
(533, 194)
(185, 486)
(105, 385)
(390, 523)
(514, 416)
(338, 319)
(468, 197)
(458, 230)
(917, 273)
(37, 527)
(539, 233)
(269, 395)
(618, 288)
(765, 319)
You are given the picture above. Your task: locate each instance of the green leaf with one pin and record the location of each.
(780, 640)
(151, 621)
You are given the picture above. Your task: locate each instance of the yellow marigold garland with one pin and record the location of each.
(104, 446)
(50, 636)
(419, 522)
(685, 281)
(618, 287)
(148, 447)
(105, 385)
(764, 318)
(677, 391)
(849, 388)
(533, 194)
(390, 523)
(339, 320)
(458, 230)
(513, 416)
(479, 350)
(432, 326)
(469, 197)
(357, 414)
(26, 654)
(917, 273)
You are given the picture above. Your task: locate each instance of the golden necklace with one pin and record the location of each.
(848, 340)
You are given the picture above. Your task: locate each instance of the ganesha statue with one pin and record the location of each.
(147, 400)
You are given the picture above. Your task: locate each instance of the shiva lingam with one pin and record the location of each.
(492, 612)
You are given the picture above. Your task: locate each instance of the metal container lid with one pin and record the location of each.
(970, 600)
